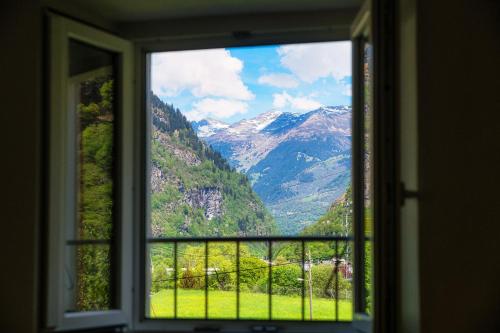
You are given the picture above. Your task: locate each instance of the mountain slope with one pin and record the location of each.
(336, 221)
(297, 163)
(193, 189)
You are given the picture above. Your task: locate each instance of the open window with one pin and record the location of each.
(193, 273)
(89, 217)
(131, 243)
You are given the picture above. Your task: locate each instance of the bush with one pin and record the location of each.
(286, 279)
(261, 285)
(252, 270)
(190, 280)
(160, 277)
(219, 279)
(323, 281)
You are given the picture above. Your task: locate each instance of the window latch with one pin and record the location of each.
(407, 194)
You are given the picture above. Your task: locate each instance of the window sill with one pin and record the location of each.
(347, 327)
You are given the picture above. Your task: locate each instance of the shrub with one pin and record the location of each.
(261, 285)
(189, 280)
(286, 279)
(220, 279)
(252, 270)
(323, 281)
(160, 277)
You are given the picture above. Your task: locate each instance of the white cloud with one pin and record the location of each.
(299, 103)
(310, 62)
(347, 89)
(216, 108)
(202, 72)
(280, 80)
(280, 100)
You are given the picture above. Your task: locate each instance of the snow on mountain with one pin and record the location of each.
(208, 127)
(336, 109)
(254, 125)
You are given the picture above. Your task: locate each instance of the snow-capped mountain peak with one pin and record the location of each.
(335, 109)
(254, 125)
(208, 127)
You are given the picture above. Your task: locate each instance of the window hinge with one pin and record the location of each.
(407, 194)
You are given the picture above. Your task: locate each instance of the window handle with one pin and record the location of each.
(407, 194)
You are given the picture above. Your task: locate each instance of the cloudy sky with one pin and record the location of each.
(236, 83)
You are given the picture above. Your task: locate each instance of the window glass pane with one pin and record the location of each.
(91, 95)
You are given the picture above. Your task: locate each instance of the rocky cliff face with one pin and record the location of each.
(209, 199)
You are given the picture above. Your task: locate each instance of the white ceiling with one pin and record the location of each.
(142, 10)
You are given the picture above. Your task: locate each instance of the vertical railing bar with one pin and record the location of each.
(206, 279)
(270, 283)
(303, 280)
(238, 280)
(336, 280)
(175, 280)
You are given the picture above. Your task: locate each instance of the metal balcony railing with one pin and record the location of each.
(308, 253)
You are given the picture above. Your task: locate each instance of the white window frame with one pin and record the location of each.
(142, 52)
(62, 174)
(360, 33)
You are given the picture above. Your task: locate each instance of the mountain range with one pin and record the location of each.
(297, 163)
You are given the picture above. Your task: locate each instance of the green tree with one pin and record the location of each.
(95, 199)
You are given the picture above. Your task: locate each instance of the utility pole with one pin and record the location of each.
(310, 287)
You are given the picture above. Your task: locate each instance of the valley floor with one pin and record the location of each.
(222, 305)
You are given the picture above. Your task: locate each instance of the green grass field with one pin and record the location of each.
(222, 305)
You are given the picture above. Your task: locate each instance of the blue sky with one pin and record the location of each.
(236, 83)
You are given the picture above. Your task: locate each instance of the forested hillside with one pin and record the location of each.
(336, 221)
(194, 192)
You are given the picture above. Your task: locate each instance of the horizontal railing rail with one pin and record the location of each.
(249, 239)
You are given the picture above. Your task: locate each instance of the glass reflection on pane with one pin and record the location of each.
(87, 277)
(90, 234)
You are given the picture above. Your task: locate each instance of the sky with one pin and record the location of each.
(240, 83)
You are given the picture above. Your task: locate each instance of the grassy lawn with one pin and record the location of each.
(222, 304)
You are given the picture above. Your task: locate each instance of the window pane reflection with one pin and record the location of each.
(91, 94)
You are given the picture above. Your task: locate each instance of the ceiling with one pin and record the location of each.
(146, 10)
